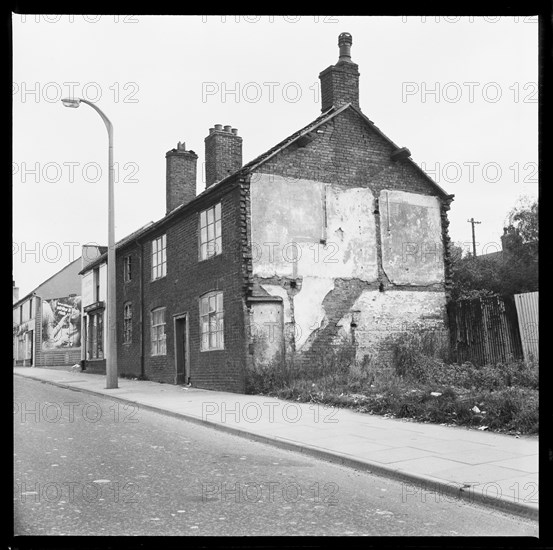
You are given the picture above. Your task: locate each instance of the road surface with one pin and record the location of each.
(87, 465)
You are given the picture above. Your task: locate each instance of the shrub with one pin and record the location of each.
(505, 393)
(513, 409)
(416, 352)
(264, 378)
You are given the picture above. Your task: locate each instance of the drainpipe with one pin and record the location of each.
(141, 294)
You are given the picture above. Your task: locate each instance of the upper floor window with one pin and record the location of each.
(158, 332)
(127, 323)
(210, 232)
(127, 273)
(96, 277)
(159, 257)
(211, 321)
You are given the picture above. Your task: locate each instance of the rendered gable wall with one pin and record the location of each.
(352, 241)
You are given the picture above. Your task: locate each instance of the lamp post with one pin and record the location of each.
(111, 310)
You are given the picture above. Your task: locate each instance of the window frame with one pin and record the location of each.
(96, 282)
(212, 318)
(127, 268)
(210, 223)
(127, 323)
(158, 333)
(159, 257)
(95, 336)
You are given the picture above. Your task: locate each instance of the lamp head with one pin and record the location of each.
(73, 103)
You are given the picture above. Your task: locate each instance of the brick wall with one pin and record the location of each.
(129, 355)
(180, 185)
(339, 85)
(223, 153)
(348, 152)
(179, 292)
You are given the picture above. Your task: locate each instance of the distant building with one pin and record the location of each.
(333, 235)
(47, 321)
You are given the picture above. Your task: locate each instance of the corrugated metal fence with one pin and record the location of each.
(527, 306)
(485, 330)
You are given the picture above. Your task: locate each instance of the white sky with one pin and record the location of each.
(164, 79)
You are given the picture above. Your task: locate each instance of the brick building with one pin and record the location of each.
(332, 235)
(47, 321)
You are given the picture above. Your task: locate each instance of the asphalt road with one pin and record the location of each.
(85, 465)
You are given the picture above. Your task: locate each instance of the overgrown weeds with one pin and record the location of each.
(416, 380)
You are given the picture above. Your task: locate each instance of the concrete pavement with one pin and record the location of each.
(435, 462)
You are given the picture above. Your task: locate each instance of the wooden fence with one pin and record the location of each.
(485, 330)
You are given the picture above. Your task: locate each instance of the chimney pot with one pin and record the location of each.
(218, 127)
(235, 131)
(227, 128)
(345, 41)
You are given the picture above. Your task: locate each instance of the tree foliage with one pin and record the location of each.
(512, 271)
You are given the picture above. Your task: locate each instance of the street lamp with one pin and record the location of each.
(111, 310)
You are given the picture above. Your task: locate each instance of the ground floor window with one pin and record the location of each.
(95, 347)
(127, 323)
(211, 321)
(158, 332)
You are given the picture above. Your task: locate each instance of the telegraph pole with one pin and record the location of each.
(473, 222)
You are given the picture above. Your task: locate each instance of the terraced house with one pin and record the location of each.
(47, 321)
(333, 235)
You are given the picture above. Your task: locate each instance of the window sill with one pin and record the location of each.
(210, 257)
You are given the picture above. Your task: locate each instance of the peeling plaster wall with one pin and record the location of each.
(290, 218)
(378, 315)
(276, 290)
(309, 313)
(411, 232)
(351, 240)
(267, 331)
(287, 315)
(314, 233)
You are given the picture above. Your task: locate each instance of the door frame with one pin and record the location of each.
(177, 319)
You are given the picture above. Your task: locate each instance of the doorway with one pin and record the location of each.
(182, 351)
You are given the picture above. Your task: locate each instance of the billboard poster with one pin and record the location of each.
(61, 323)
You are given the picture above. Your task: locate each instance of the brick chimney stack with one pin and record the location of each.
(223, 153)
(15, 292)
(340, 82)
(180, 176)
